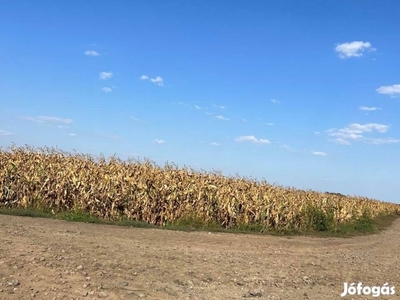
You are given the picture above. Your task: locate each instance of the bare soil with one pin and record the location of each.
(54, 259)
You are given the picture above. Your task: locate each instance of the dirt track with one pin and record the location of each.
(52, 259)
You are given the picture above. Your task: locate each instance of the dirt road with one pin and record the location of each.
(52, 259)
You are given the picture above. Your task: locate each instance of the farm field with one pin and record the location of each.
(55, 259)
(113, 189)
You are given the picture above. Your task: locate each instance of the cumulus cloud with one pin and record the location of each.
(91, 53)
(391, 90)
(106, 89)
(157, 80)
(366, 108)
(353, 49)
(355, 132)
(222, 118)
(4, 133)
(159, 141)
(251, 139)
(275, 101)
(105, 75)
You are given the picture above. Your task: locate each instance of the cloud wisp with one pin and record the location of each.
(105, 75)
(46, 119)
(316, 153)
(157, 80)
(5, 133)
(106, 89)
(355, 133)
(251, 139)
(366, 108)
(91, 53)
(221, 118)
(319, 153)
(159, 141)
(353, 49)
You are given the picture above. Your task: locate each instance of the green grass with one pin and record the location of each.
(318, 223)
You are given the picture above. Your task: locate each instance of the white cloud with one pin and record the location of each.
(264, 141)
(275, 101)
(72, 134)
(222, 118)
(383, 141)
(197, 107)
(106, 89)
(366, 108)
(43, 119)
(159, 141)
(158, 80)
(214, 144)
(251, 139)
(353, 49)
(91, 53)
(4, 133)
(355, 132)
(319, 153)
(53, 119)
(270, 124)
(392, 90)
(355, 127)
(105, 75)
(342, 141)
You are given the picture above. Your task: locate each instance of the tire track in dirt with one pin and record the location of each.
(53, 259)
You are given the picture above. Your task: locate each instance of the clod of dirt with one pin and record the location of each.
(253, 293)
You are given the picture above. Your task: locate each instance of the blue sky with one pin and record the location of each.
(300, 93)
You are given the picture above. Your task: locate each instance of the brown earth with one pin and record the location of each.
(53, 259)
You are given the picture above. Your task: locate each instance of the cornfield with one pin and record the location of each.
(112, 189)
